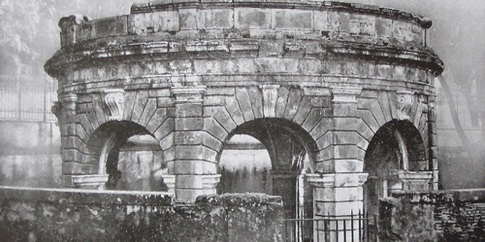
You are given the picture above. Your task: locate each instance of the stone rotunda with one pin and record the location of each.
(340, 95)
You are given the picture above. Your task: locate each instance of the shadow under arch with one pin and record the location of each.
(105, 144)
(395, 148)
(292, 153)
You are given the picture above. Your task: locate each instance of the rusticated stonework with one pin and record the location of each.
(321, 79)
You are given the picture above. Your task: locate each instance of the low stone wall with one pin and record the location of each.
(80, 215)
(448, 215)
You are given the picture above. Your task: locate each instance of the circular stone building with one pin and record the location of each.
(341, 95)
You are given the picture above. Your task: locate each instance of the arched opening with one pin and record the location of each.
(271, 156)
(130, 155)
(396, 147)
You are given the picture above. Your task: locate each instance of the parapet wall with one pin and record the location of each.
(210, 42)
(89, 215)
(449, 215)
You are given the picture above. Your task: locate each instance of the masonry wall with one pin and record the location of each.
(83, 215)
(449, 215)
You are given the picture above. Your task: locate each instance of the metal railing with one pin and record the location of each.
(27, 99)
(358, 227)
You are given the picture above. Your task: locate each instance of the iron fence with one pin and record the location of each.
(358, 227)
(27, 99)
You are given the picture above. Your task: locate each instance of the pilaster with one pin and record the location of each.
(193, 161)
(432, 142)
(338, 194)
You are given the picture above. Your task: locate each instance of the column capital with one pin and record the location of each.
(188, 94)
(321, 180)
(345, 93)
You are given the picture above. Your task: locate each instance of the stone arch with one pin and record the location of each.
(376, 109)
(395, 151)
(104, 146)
(304, 113)
(292, 153)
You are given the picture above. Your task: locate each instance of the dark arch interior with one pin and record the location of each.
(397, 145)
(290, 151)
(132, 149)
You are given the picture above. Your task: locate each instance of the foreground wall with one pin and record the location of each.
(450, 215)
(89, 215)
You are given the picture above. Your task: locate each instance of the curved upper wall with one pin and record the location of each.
(232, 28)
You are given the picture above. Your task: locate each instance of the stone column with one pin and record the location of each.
(76, 172)
(336, 195)
(432, 141)
(339, 191)
(194, 163)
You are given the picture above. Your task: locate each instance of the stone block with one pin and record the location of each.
(402, 30)
(215, 129)
(221, 116)
(159, 92)
(74, 168)
(140, 102)
(317, 116)
(187, 110)
(384, 71)
(293, 19)
(256, 101)
(252, 18)
(333, 21)
(167, 141)
(344, 22)
(242, 98)
(148, 111)
(348, 152)
(303, 110)
(233, 109)
(384, 27)
(349, 180)
(189, 167)
(215, 18)
(325, 155)
(112, 26)
(325, 140)
(345, 208)
(281, 101)
(157, 119)
(349, 123)
(163, 102)
(320, 20)
(189, 123)
(195, 152)
(72, 155)
(71, 142)
(293, 103)
(189, 182)
(348, 165)
(80, 132)
(344, 109)
(85, 31)
(164, 129)
(309, 66)
(169, 157)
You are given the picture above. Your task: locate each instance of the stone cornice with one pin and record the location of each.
(84, 56)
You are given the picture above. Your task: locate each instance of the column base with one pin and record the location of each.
(90, 181)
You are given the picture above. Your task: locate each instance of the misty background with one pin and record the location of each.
(29, 36)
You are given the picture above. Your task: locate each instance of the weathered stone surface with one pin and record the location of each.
(57, 215)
